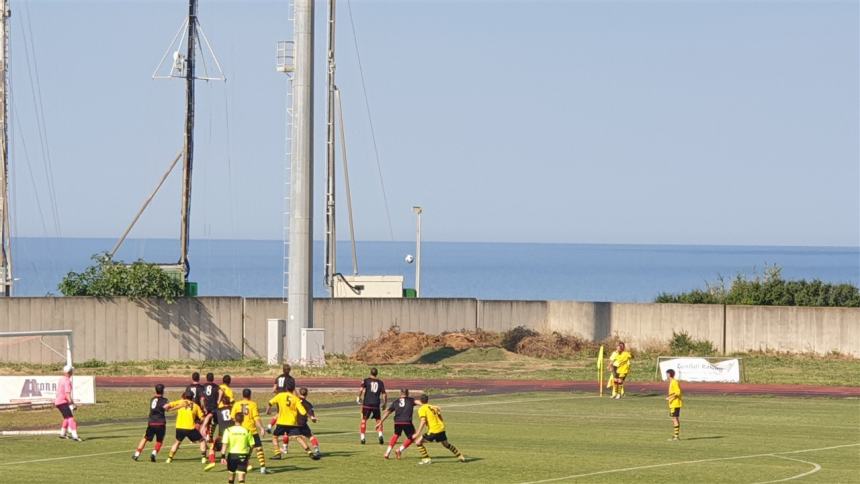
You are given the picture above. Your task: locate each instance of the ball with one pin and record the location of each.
(409, 259)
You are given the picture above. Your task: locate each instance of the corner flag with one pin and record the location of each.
(600, 370)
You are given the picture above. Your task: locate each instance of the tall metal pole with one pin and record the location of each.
(188, 155)
(330, 220)
(5, 238)
(300, 292)
(418, 211)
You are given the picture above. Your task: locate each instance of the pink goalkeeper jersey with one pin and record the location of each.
(64, 387)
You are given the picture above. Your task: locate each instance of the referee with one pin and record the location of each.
(236, 445)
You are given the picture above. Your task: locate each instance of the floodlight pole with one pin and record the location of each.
(5, 237)
(330, 220)
(300, 291)
(418, 211)
(188, 152)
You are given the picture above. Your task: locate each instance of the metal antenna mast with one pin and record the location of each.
(5, 238)
(300, 291)
(188, 151)
(330, 219)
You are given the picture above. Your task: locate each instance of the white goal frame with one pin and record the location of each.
(68, 333)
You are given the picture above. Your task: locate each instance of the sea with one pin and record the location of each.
(517, 271)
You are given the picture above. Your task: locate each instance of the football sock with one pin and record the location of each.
(621, 389)
(423, 451)
(614, 389)
(157, 447)
(451, 447)
(272, 422)
(362, 428)
(315, 442)
(405, 445)
(171, 454)
(676, 431)
(393, 441)
(261, 457)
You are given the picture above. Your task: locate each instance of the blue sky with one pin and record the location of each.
(682, 122)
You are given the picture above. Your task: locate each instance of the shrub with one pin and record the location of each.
(108, 278)
(92, 363)
(682, 344)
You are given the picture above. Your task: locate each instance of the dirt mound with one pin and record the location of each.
(551, 346)
(396, 347)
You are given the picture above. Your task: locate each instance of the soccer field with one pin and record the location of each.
(509, 438)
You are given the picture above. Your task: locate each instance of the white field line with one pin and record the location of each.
(65, 458)
(505, 402)
(699, 461)
(623, 417)
(815, 468)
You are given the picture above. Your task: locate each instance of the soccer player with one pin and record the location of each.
(224, 417)
(187, 413)
(289, 408)
(237, 447)
(619, 364)
(305, 429)
(402, 410)
(210, 406)
(370, 396)
(431, 419)
(675, 399)
(196, 389)
(66, 404)
(156, 423)
(251, 421)
(283, 383)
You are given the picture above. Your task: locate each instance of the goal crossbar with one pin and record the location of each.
(49, 332)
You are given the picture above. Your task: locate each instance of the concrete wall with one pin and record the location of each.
(118, 329)
(794, 329)
(231, 327)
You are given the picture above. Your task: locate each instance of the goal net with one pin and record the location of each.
(46, 347)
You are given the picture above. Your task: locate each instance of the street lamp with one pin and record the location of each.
(417, 211)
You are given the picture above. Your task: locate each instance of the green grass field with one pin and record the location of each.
(509, 438)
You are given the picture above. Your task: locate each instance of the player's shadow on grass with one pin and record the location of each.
(708, 437)
(338, 453)
(286, 468)
(105, 437)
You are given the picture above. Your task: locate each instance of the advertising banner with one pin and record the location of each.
(700, 369)
(43, 389)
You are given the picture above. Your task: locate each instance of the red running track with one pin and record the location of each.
(499, 386)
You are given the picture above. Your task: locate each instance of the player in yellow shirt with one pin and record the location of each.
(187, 415)
(289, 408)
(431, 419)
(251, 422)
(222, 417)
(619, 365)
(675, 399)
(237, 441)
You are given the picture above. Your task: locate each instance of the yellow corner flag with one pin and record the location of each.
(600, 369)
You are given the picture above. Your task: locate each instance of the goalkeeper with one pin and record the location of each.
(619, 366)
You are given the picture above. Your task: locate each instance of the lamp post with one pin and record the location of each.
(417, 211)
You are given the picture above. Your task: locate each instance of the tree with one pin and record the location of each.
(109, 278)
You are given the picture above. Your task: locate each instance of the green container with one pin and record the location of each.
(190, 289)
(410, 293)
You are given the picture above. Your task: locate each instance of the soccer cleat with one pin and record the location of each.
(151, 458)
(316, 455)
(381, 440)
(63, 436)
(397, 453)
(77, 439)
(675, 439)
(249, 468)
(385, 456)
(462, 458)
(424, 461)
(169, 460)
(277, 456)
(263, 470)
(135, 456)
(204, 460)
(363, 441)
(209, 466)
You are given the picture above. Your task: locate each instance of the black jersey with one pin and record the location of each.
(156, 410)
(402, 408)
(373, 389)
(210, 393)
(285, 383)
(196, 391)
(302, 420)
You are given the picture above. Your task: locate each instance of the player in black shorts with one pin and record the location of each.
(283, 383)
(370, 396)
(196, 389)
(305, 429)
(402, 409)
(210, 420)
(156, 424)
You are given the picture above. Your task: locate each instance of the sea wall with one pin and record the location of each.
(118, 329)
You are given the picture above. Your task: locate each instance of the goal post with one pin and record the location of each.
(725, 369)
(65, 353)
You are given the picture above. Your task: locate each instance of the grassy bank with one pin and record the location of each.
(483, 363)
